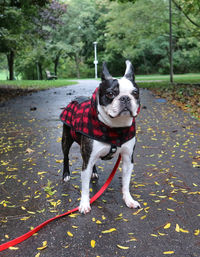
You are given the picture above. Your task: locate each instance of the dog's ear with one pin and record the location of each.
(105, 73)
(129, 73)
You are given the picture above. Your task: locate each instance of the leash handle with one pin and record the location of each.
(36, 229)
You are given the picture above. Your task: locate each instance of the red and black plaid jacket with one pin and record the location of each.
(81, 116)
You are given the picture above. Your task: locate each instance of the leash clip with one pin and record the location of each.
(109, 156)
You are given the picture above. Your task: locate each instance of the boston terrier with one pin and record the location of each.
(103, 126)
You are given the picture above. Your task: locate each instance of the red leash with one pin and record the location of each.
(36, 229)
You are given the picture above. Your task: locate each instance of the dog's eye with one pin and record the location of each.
(135, 93)
(110, 95)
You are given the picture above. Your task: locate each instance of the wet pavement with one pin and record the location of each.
(166, 182)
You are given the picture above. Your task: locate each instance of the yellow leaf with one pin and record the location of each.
(98, 222)
(93, 243)
(44, 245)
(138, 211)
(25, 218)
(103, 217)
(197, 232)
(177, 228)
(59, 161)
(168, 252)
(123, 247)
(162, 234)
(37, 255)
(154, 235)
(73, 215)
(70, 234)
(58, 139)
(41, 172)
(143, 217)
(183, 230)
(13, 248)
(170, 209)
(108, 231)
(168, 225)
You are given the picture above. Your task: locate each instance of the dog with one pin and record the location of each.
(103, 126)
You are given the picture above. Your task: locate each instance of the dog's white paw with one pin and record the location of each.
(67, 178)
(84, 206)
(95, 176)
(130, 202)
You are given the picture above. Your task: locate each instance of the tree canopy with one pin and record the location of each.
(58, 35)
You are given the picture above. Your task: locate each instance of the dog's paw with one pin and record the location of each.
(131, 203)
(84, 207)
(95, 176)
(66, 179)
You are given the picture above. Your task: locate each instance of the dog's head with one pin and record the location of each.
(118, 98)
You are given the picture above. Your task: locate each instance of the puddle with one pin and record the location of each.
(160, 100)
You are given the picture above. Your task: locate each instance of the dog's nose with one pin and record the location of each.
(124, 99)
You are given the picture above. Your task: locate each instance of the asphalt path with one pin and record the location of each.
(165, 181)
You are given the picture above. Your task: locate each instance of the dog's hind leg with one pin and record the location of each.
(87, 169)
(67, 142)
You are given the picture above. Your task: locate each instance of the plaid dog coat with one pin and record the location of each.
(82, 117)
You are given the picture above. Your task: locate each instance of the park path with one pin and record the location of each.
(166, 181)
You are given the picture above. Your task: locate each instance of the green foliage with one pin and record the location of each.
(124, 29)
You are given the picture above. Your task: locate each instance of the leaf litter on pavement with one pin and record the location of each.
(158, 184)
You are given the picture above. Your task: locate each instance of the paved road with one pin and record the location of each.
(166, 181)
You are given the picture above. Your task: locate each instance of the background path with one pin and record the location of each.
(166, 181)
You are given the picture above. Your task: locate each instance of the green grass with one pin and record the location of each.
(162, 81)
(37, 84)
(145, 81)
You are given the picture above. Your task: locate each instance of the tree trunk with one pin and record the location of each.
(77, 66)
(10, 58)
(56, 62)
(40, 71)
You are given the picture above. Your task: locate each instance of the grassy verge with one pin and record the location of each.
(185, 93)
(35, 84)
(181, 78)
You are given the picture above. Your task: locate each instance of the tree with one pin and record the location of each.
(14, 24)
(75, 38)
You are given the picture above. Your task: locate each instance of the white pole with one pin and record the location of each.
(95, 59)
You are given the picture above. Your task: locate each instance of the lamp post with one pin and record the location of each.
(170, 42)
(95, 59)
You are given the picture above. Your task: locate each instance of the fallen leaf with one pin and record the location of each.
(177, 228)
(168, 225)
(13, 248)
(154, 235)
(197, 232)
(70, 234)
(44, 245)
(108, 231)
(93, 243)
(123, 247)
(168, 252)
(59, 161)
(183, 230)
(29, 150)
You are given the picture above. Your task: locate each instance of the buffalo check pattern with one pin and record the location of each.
(81, 115)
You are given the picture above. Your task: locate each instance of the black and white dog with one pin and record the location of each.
(104, 126)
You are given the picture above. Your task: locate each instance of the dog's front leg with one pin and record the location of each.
(127, 167)
(84, 206)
